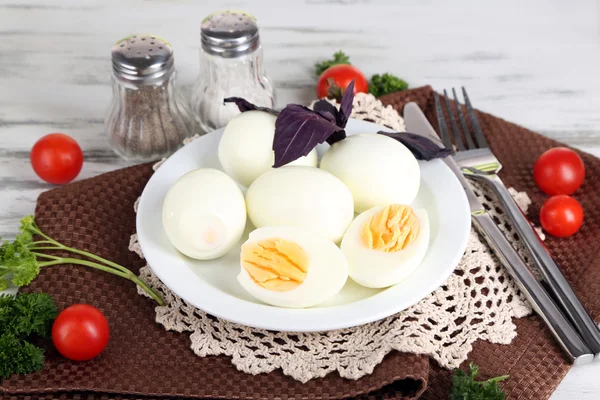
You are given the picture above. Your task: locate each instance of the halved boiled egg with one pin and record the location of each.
(204, 214)
(384, 245)
(290, 267)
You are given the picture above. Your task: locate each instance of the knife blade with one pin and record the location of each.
(567, 337)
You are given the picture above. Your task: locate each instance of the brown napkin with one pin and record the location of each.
(533, 361)
(145, 361)
(142, 358)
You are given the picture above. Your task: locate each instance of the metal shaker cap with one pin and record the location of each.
(229, 33)
(142, 58)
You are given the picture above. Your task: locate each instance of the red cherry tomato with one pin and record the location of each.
(56, 158)
(80, 332)
(559, 171)
(341, 75)
(561, 216)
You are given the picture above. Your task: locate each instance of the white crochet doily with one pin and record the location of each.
(478, 301)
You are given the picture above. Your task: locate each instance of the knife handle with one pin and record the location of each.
(553, 276)
(572, 344)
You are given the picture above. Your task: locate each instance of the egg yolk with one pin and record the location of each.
(275, 264)
(391, 229)
(210, 236)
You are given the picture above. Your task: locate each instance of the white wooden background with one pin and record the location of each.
(533, 62)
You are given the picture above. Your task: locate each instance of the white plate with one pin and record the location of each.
(212, 285)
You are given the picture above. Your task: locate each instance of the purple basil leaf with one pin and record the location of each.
(325, 106)
(298, 130)
(421, 147)
(244, 105)
(336, 137)
(341, 116)
(346, 105)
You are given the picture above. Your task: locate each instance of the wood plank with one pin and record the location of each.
(534, 63)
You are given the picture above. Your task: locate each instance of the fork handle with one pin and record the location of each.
(581, 319)
(572, 344)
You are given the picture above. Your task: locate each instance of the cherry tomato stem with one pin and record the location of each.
(341, 75)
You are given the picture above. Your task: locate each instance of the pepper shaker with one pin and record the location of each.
(231, 64)
(148, 117)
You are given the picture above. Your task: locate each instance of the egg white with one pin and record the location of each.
(377, 169)
(246, 147)
(326, 275)
(204, 202)
(379, 269)
(304, 197)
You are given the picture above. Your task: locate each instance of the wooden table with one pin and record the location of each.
(534, 63)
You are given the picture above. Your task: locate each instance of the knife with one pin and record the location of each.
(555, 281)
(567, 337)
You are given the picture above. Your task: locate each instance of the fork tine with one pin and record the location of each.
(479, 136)
(463, 122)
(457, 138)
(442, 122)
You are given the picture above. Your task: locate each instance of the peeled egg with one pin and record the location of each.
(304, 197)
(384, 245)
(204, 214)
(246, 147)
(377, 169)
(289, 267)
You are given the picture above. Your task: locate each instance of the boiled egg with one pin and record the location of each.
(246, 147)
(303, 197)
(290, 267)
(377, 169)
(384, 245)
(204, 214)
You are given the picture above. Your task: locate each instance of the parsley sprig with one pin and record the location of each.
(465, 387)
(22, 318)
(379, 85)
(386, 83)
(22, 259)
(339, 57)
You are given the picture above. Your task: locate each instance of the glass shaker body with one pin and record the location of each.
(147, 122)
(148, 117)
(231, 65)
(220, 78)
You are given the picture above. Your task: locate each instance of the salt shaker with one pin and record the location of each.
(148, 117)
(230, 65)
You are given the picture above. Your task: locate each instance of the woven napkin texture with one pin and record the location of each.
(145, 361)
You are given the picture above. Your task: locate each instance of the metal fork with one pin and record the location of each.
(477, 162)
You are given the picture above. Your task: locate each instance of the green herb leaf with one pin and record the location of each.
(18, 356)
(27, 314)
(34, 314)
(6, 310)
(22, 259)
(27, 227)
(385, 84)
(22, 317)
(465, 387)
(17, 263)
(339, 57)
